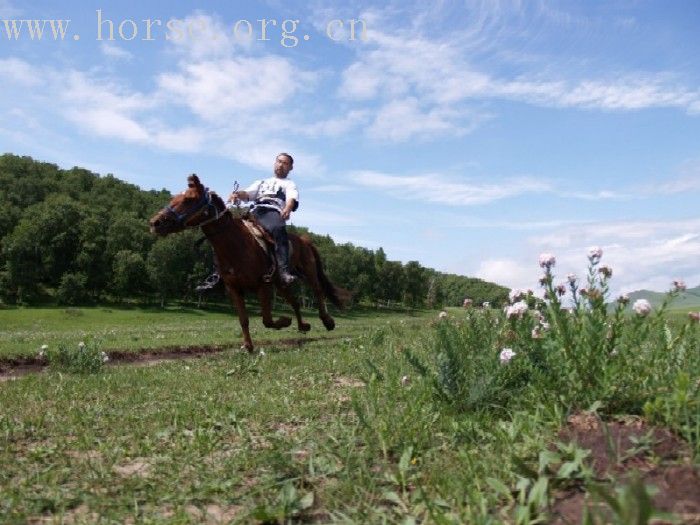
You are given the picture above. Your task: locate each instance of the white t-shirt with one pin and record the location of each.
(273, 192)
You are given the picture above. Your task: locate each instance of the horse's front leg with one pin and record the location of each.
(265, 296)
(239, 302)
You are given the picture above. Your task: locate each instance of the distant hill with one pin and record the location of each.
(688, 299)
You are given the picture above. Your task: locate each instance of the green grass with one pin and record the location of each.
(24, 330)
(346, 430)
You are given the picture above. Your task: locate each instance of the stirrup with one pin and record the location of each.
(209, 283)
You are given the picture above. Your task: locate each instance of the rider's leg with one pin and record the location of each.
(272, 221)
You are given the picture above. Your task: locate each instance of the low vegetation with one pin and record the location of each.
(532, 414)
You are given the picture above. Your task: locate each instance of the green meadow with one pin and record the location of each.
(394, 417)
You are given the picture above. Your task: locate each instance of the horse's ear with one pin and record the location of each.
(193, 181)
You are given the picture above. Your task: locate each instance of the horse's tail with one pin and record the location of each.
(340, 297)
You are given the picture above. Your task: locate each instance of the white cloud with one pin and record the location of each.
(219, 89)
(399, 120)
(440, 189)
(201, 36)
(506, 272)
(432, 81)
(19, 72)
(114, 51)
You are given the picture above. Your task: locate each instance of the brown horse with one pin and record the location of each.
(243, 264)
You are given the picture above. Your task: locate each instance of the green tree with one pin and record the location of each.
(170, 263)
(129, 275)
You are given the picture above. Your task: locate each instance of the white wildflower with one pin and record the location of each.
(679, 285)
(104, 356)
(547, 260)
(486, 304)
(515, 295)
(595, 253)
(571, 278)
(442, 315)
(261, 353)
(506, 355)
(642, 307)
(81, 345)
(536, 333)
(516, 310)
(405, 380)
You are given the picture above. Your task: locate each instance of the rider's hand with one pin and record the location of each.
(286, 213)
(234, 197)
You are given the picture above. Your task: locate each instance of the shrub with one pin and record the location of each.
(72, 290)
(81, 358)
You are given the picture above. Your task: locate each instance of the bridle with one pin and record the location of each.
(201, 207)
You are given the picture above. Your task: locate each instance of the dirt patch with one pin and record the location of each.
(15, 367)
(626, 448)
(213, 514)
(619, 445)
(138, 467)
(347, 382)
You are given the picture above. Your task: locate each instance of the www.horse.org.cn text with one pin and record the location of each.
(287, 33)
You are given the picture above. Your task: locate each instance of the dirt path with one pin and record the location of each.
(15, 367)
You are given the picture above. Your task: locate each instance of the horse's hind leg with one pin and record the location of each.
(292, 300)
(239, 303)
(312, 280)
(264, 294)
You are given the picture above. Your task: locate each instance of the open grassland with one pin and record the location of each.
(399, 419)
(24, 330)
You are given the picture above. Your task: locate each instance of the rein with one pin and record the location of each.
(201, 206)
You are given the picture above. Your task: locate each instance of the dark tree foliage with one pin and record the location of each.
(74, 236)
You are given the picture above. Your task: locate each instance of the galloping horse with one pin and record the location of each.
(243, 264)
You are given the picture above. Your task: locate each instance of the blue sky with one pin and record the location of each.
(470, 136)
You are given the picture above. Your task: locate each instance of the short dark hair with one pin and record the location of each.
(291, 159)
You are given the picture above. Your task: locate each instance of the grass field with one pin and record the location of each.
(24, 330)
(344, 430)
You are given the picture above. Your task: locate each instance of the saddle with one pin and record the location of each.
(265, 241)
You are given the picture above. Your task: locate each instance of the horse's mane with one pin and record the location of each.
(218, 201)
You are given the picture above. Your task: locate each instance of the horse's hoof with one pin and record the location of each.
(304, 327)
(247, 348)
(329, 323)
(284, 322)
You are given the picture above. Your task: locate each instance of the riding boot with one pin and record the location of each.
(282, 254)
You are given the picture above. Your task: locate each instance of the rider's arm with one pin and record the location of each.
(288, 207)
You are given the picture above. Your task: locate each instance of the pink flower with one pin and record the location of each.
(547, 261)
(560, 289)
(606, 271)
(642, 307)
(515, 295)
(506, 355)
(679, 285)
(571, 278)
(595, 253)
(516, 310)
(694, 316)
(623, 299)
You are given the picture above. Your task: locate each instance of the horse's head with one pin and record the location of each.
(193, 207)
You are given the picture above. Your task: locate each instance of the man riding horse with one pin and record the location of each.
(274, 199)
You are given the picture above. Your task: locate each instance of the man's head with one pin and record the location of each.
(284, 163)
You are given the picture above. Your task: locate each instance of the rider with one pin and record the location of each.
(274, 200)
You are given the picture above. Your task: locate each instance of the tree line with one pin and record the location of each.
(76, 237)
